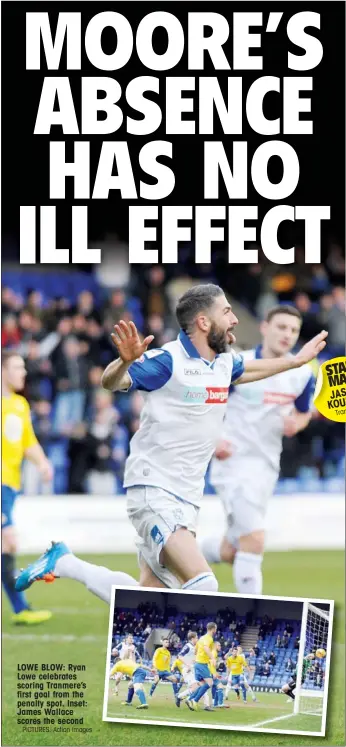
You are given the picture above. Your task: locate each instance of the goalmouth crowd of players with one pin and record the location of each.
(194, 674)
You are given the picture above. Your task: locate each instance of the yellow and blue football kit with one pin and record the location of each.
(131, 669)
(203, 660)
(17, 435)
(137, 674)
(162, 662)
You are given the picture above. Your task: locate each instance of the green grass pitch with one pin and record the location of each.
(162, 707)
(77, 634)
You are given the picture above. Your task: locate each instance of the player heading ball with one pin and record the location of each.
(170, 452)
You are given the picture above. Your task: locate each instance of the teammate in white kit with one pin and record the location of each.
(185, 386)
(126, 649)
(246, 465)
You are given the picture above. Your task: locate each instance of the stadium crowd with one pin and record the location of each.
(271, 659)
(61, 323)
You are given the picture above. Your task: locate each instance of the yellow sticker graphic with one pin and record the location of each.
(330, 391)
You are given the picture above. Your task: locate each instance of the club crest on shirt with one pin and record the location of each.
(13, 428)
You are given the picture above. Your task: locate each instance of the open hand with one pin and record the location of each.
(127, 340)
(312, 348)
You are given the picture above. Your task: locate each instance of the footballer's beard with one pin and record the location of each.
(219, 340)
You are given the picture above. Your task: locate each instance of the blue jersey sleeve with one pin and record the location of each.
(151, 371)
(303, 402)
(238, 366)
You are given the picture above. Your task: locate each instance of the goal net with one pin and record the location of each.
(312, 672)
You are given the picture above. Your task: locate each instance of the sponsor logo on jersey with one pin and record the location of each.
(192, 372)
(206, 395)
(217, 394)
(278, 398)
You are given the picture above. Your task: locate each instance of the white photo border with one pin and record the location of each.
(254, 729)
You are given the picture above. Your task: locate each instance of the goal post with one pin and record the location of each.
(313, 674)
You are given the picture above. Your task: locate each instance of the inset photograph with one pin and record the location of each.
(218, 661)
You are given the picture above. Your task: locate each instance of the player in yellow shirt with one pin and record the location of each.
(18, 442)
(138, 673)
(217, 688)
(162, 664)
(236, 663)
(204, 658)
(177, 667)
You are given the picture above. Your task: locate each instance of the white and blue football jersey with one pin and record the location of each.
(185, 404)
(187, 654)
(254, 417)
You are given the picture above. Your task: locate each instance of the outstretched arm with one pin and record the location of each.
(257, 369)
(126, 338)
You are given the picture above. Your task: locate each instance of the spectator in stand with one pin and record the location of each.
(104, 446)
(272, 659)
(63, 331)
(333, 317)
(85, 304)
(34, 301)
(10, 332)
(290, 666)
(264, 656)
(266, 669)
(278, 640)
(296, 643)
(79, 325)
(284, 642)
(311, 322)
(256, 650)
(11, 302)
(41, 415)
(152, 291)
(71, 378)
(259, 669)
(38, 370)
(26, 325)
(100, 347)
(115, 307)
(271, 625)
(335, 264)
(94, 377)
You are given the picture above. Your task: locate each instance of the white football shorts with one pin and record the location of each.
(156, 514)
(189, 676)
(244, 486)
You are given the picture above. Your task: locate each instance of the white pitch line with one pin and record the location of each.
(53, 638)
(271, 720)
